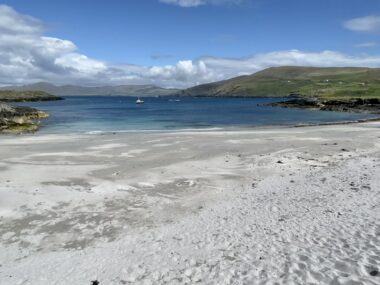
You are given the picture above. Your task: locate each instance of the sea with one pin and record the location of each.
(102, 114)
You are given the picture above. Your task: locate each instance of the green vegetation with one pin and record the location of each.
(20, 96)
(323, 83)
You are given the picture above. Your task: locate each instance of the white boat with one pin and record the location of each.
(139, 101)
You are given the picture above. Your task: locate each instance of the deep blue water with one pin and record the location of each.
(115, 113)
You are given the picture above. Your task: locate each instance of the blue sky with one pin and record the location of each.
(154, 34)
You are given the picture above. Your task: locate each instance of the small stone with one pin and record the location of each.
(193, 262)
(374, 272)
(274, 209)
(188, 272)
(280, 162)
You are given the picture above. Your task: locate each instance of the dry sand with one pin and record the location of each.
(260, 206)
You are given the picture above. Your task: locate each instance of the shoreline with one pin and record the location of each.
(193, 130)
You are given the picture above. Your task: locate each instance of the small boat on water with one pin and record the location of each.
(139, 101)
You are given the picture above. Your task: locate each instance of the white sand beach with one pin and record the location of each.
(261, 206)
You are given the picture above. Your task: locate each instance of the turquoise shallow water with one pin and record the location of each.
(114, 113)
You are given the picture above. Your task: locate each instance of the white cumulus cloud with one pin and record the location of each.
(13, 22)
(229, 67)
(196, 3)
(185, 3)
(28, 56)
(364, 24)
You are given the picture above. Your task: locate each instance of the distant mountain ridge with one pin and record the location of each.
(329, 82)
(319, 82)
(75, 90)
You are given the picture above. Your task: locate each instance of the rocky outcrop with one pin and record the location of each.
(357, 105)
(16, 119)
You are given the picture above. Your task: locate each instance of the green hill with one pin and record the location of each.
(19, 96)
(324, 83)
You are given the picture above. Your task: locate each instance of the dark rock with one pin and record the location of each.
(95, 282)
(357, 105)
(374, 272)
(280, 162)
(298, 103)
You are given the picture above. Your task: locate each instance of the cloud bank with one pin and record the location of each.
(27, 56)
(363, 24)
